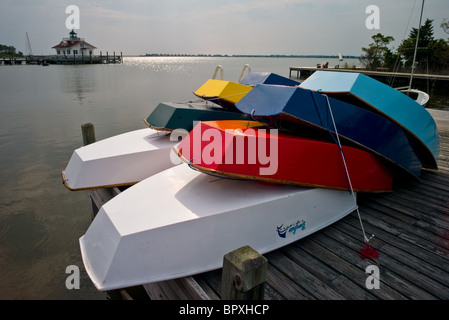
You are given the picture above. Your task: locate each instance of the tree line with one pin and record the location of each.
(432, 55)
(9, 52)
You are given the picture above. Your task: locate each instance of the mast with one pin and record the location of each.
(28, 46)
(416, 47)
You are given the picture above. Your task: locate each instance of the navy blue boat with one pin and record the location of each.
(295, 109)
(253, 78)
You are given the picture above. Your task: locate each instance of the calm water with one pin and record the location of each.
(41, 113)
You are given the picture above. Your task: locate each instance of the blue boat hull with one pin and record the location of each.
(253, 78)
(294, 109)
(369, 93)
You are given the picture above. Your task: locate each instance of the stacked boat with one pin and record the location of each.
(265, 162)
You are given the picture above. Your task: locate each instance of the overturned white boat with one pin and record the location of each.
(182, 222)
(121, 160)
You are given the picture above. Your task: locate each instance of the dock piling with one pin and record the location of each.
(88, 131)
(244, 274)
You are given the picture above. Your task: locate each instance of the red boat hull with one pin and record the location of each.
(249, 150)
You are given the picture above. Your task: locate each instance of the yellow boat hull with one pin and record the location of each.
(223, 93)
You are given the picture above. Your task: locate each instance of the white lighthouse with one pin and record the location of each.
(74, 46)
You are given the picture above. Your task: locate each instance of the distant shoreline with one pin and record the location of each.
(246, 56)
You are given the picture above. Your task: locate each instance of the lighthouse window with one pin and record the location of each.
(75, 51)
(58, 51)
(68, 51)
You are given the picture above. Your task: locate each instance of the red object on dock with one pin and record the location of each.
(368, 252)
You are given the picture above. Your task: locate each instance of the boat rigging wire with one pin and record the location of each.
(366, 239)
(397, 63)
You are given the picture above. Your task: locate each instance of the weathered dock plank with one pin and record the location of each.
(346, 277)
(286, 288)
(177, 289)
(393, 283)
(315, 286)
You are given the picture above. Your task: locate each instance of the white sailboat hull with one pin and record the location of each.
(420, 96)
(124, 159)
(181, 222)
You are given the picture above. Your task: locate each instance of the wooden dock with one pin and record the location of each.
(394, 79)
(411, 234)
(67, 59)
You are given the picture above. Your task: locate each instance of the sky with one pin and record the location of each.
(259, 27)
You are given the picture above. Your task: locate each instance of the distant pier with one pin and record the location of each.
(395, 79)
(67, 59)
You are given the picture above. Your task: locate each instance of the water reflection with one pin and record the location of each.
(77, 80)
(438, 101)
(166, 64)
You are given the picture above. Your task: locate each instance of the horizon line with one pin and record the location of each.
(246, 55)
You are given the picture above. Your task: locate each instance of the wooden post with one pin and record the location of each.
(88, 133)
(244, 274)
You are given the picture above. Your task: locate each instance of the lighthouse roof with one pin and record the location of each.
(65, 44)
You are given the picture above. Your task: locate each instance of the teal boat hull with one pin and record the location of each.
(171, 115)
(365, 92)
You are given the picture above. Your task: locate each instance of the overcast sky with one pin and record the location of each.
(215, 26)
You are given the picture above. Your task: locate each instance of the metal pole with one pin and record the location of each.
(416, 47)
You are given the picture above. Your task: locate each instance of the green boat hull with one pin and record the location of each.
(171, 115)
